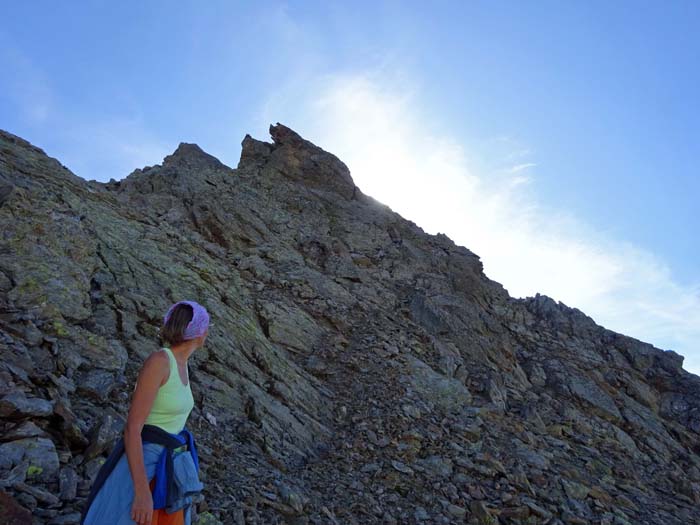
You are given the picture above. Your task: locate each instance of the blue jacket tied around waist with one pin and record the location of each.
(176, 479)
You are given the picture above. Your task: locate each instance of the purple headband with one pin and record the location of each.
(199, 323)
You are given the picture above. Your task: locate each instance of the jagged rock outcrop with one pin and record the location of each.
(359, 370)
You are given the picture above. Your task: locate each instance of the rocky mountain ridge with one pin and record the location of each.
(359, 370)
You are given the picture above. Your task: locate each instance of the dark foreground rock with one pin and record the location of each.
(359, 371)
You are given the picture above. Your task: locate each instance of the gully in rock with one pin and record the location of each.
(152, 472)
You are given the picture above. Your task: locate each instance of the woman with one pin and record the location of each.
(148, 479)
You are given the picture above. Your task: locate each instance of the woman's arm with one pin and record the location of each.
(154, 373)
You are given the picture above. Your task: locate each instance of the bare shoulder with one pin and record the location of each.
(156, 365)
(157, 359)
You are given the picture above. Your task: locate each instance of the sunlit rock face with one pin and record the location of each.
(359, 370)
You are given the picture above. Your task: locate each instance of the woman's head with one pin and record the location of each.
(184, 321)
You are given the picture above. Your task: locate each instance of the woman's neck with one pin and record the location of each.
(183, 351)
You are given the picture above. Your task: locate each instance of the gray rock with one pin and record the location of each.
(436, 466)
(456, 511)
(401, 467)
(290, 327)
(104, 434)
(17, 474)
(96, 384)
(420, 514)
(67, 484)
(26, 429)
(72, 518)
(39, 453)
(39, 494)
(92, 467)
(17, 405)
(531, 457)
(448, 394)
(587, 390)
(574, 489)
(291, 498)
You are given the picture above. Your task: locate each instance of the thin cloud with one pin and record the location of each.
(521, 167)
(398, 155)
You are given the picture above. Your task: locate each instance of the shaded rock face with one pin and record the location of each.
(359, 370)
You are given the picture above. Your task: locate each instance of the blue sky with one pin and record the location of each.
(556, 140)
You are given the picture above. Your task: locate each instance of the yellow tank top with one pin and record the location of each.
(173, 402)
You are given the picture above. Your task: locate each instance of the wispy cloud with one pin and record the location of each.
(521, 167)
(399, 154)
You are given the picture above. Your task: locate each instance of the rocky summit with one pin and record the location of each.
(358, 371)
